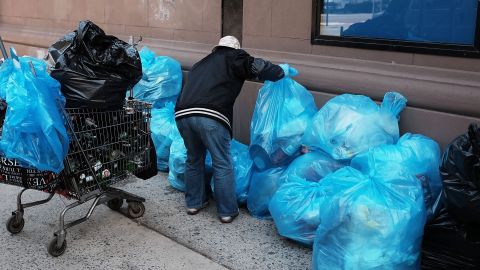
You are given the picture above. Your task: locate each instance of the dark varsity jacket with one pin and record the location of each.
(214, 83)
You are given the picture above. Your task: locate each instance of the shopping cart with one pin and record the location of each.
(105, 148)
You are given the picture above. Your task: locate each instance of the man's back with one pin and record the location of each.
(216, 80)
(214, 83)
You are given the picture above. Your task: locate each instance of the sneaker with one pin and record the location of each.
(228, 219)
(194, 211)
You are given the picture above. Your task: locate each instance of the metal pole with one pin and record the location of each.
(2, 48)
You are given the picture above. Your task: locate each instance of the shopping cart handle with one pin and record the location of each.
(13, 53)
(131, 40)
(2, 48)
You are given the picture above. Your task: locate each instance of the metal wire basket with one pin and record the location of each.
(106, 146)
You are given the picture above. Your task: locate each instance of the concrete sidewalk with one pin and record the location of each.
(164, 238)
(108, 240)
(247, 243)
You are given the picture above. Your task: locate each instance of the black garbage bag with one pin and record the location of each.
(460, 172)
(95, 69)
(448, 244)
(151, 169)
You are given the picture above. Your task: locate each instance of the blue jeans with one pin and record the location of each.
(201, 134)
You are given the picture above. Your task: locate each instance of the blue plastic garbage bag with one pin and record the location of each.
(33, 132)
(161, 80)
(281, 114)
(162, 126)
(418, 155)
(295, 209)
(296, 205)
(313, 166)
(176, 163)
(350, 124)
(263, 186)
(242, 170)
(372, 221)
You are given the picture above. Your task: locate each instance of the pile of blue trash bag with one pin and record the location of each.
(162, 126)
(350, 124)
(258, 187)
(295, 209)
(161, 80)
(263, 186)
(418, 155)
(282, 112)
(242, 170)
(176, 162)
(33, 132)
(295, 206)
(371, 221)
(313, 166)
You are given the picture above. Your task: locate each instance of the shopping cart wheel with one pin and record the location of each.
(54, 250)
(136, 209)
(14, 225)
(115, 204)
